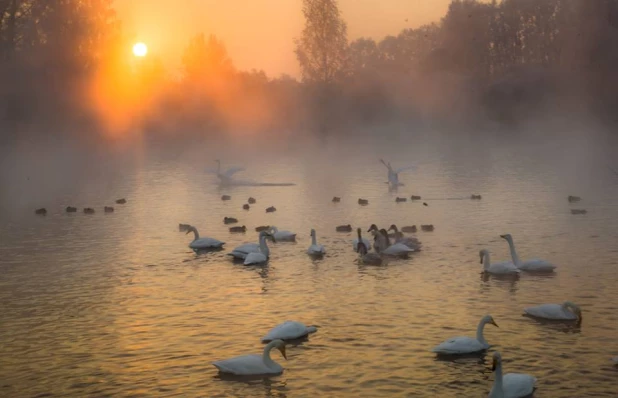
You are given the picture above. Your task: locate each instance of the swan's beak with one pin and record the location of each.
(494, 323)
(503, 236)
(282, 350)
(188, 230)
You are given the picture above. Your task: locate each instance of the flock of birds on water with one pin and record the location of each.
(385, 245)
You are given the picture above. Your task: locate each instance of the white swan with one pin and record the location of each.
(382, 244)
(226, 176)
(363, 256)
(315, 249)
(566, 311)
(534, 265)
(393, 174)
(261, 256)
(203, 243)
(243, 250)
(282, 236)
(253, 364)
(503, 268)
(466, 345)
(288, 330)
(510, 385)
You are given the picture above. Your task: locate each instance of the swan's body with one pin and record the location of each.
(363, 256)
(503, 268)
(248, 365)
(261, 256)
(203, 243)
(411, 242)
(315, 249)
(566, 311)
(283, 236)
(288, 330)
(226, 176)
(532, 265)
(466, 345)
(510, 385)
(242, 251)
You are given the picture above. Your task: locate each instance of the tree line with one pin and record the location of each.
(64, 65)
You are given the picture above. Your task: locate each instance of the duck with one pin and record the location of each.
(289, 330)
(533, 265)
(409, 229)
(573, 199)
(203, 243)
(121, 201)
(254, 365)
(427, 227)
(399, 200)
(503, 268)
(315, 249)
(567, 311)
(363, 202)
(364, 257)
(475, 197)
(344, 228)
(108, 209)
(241, 252)
(336, 199)
(89, 210)
(251, 200)
(262, 255)
(271, 209)
(415, 197)
(229, 220)
(283, 236)
(71, 209)
(411, 242)
(42, 211)
(463, 345)
(237, 229)
(246, 207)
(262, 228)
(510, 385)
(226, 197)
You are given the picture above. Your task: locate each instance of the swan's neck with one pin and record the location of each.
(264, 247)
(486, 261)
(514, 252)
(498, 381)
(479, 332)
(266, 355)
(313, 240)
(196, 235)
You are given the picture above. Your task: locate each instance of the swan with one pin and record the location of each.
(288, 330)
(412, 243)
(361, 247)
(393, 174)
(253, 364)
(462, 345)
(383, 245)
(365, 241)
(536, 264)
(502, 268)
(283, 236)
(241, 251)
(511, 385)
(261, 256)
(203, 243)
(226, 176)
(566, 311)
(315, 249)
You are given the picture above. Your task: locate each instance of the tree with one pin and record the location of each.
(322, 48)
(204, 60)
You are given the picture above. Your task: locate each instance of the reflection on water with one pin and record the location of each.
(119, 305)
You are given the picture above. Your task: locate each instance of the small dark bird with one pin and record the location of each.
(271, 209)
(121, 201)
(399, 200)
(246, 206)
(70, 209)
(425, 204)
(262, 228)
(344, 228)
(89, 210)
(42, 211)
(427, 228)
(574, 199)
(242, 229)
(475, 197)
(226, 197)
(229, 220)
(414, 197)
(108, 209)
(336, 199)
(410, 228)
(363, 202)
(579, 211)
(183, 227)
(251, 200)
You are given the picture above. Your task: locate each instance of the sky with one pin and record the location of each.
(259, 34)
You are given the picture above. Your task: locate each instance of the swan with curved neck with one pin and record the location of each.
(363, 256)
(282, 236)
(253, 365)
(510, 385)
(502, 268)
(466, 345)
(382, 244)
(315, 249)
(241, 252)
(532, 265)
(412, 243)
(203, 243)
(567, 311)
(261, 256)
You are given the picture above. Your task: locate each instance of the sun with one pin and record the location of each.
(140, 49)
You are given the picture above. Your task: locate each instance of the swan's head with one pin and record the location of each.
(575, 308)
(312, 232)
(265, 234)
(273, 229)
(280, 345)
(482, 254)
(373, 228)
(497, 360)
(508, 237)
(490, 320)
(190, 228)
(393, 227)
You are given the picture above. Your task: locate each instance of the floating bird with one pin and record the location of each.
(363, 202)
(425, 204)
(365, 241)
(336, 199)
(242, 229)
(108, 209)
(502, 268)
(572, 198)
(566, 311)
(271, 209)
(203, 243)
(414, 197)
(533, 265)
(363, 256)
(229, 220)
(462, 345)
(226, 197)
(262, 228)
(411, 242)
(510, 385)
(343, 228)
(399, 200)
(251, 365)
(42, 211)
(427, 227)
(121, 201)
(251, 200)
(409, 229)
(89, 210)
(242, 251)
(263, 253)
(383, 245)
(579, 211)
(71, 209)
(475, 197)
(246, 206)
(289, 330)
(283, 236)
(315, 249)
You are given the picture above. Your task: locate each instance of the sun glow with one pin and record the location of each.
(140, 50)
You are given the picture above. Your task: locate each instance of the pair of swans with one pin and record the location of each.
(516, 265)
(567, 311)
(254, 253)
(263, 365)
(361, 246)
(382, 244)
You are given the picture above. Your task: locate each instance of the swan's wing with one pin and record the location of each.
(207, 243)
(243, 365)
(232, 170)
(549, 311)
(459, 345)
(255, 258)
(397, 248)
(247, 248)
(287, 330)
(399, 170)
(316, 249)
(518, 384)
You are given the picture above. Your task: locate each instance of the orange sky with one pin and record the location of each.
(260, 33)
